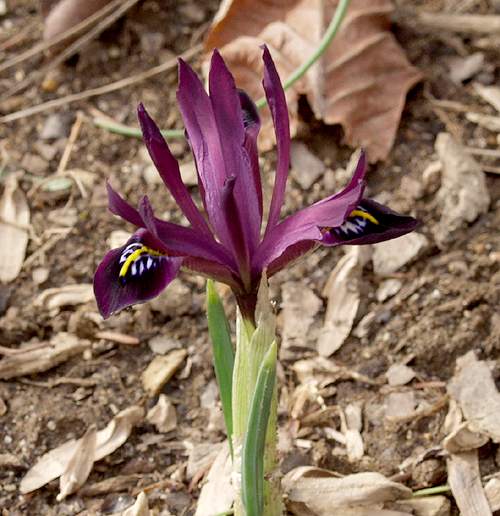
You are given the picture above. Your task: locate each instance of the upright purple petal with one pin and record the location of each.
(147, 273)
(168, 169)
(203, 135)
(309, 223)
(277, 104)
(236, 229)
(227, 109)
(251, 122)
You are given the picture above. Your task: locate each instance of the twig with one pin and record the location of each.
(468, 23)
(475, 151)
(44, 45)
(72, 49)
(101, 90)
(75, 130)
(17, 38)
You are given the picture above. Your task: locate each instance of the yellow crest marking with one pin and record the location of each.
(364, 215)
(134, 257)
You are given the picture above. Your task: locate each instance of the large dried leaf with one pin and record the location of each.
(217, 494)
(360, 82)
(474, 389)
(466, 486)
(60, 348)
(71, 456)
(324, 494)
(342, 291)
(14, 219)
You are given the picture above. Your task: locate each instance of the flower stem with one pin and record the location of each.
(429, 491)
(330, 33)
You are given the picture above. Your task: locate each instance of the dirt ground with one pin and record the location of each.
(446, 305)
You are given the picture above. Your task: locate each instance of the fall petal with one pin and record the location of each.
(369, 223)
(133, 273)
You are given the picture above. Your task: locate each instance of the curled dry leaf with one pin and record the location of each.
(427, 506)
(360, 82)
(465, 483)
(217, 494)
(474, 389)
(342, 291)
(140, 507)
(324, 494)
(14, 221)
(53, 299)
(60, 348)
(61, 15)
(163, 415)
(79, 466)
(299, 307)
(463, 194)
(161, 369)
(59, 460)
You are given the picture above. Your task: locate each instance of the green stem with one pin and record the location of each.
(330, 33)
(429, 491)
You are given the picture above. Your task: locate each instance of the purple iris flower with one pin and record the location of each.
(226, 241)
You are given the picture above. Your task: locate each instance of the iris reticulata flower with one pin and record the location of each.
(227, 240)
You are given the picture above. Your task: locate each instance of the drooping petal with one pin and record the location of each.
(168, 169)
(227, 109)
(308, 223)
(173, 239)
(369, 223)
(133, 273)
(277, 104)
(181, 241)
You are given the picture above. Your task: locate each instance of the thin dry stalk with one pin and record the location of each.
(80, 43)
(101, 90)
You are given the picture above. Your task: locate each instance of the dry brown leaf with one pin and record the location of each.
(161, 369)
(490, 122)
(61, 15)
(163, 415)
(217, 494)
(465, 483)
(60, 348)
(140, 507)
(342, 291)
(490, 94)
(299, 306)
(474, 389)
(360, 82)
(14, 221)
(56, 462)
(463, 194)
(79, 465)
(428, 506)
(323, 494)
(462, 438)
(53, 299)
(492, 491)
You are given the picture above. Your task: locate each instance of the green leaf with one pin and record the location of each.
(252, 460)
(218, 328)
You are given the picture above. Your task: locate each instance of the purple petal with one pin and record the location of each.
(214, 271)
(308, 224)
(370, 223)
(169, 170)
(236, 229)
(279, 111)
(227, 108)
(147, 275)
(201, 127)
(251, 121)
(122, 208)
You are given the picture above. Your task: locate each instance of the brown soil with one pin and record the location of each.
(446, 307)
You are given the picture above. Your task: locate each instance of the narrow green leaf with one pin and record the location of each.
(252, 459)
(218, 328)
